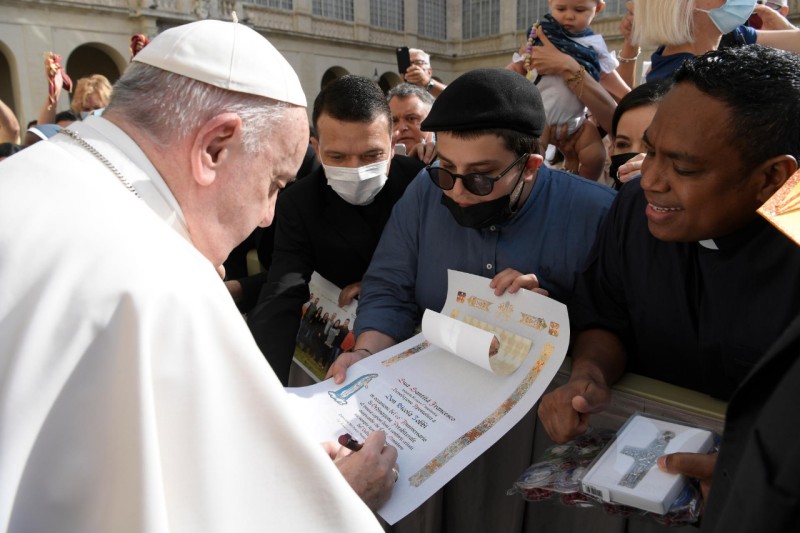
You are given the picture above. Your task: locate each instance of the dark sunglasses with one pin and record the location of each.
(477, 184)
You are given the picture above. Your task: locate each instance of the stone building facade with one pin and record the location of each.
(322, 39)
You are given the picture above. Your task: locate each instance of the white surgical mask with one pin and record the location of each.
(357, 186)
(730, 15)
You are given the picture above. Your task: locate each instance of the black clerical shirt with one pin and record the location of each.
(689, 315)
(315, 230)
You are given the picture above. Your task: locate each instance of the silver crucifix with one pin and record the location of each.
(644, 458)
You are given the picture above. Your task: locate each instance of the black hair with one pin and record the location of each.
(352, 99)
(65, 115)
(644, 95)
(9, 149)
(517, 142)
(761, 87)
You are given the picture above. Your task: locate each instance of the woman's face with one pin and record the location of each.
(702, 22)
(630, 130)
(708, 4)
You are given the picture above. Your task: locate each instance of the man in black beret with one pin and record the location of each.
(488, 207)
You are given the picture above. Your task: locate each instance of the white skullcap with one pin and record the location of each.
(228, 55)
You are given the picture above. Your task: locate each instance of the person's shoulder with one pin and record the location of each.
(631, 191)
(404, 166)
(151, 262)
(402, 172)
(577, 186)
(749, 35)
(304, 190)
(628, 210)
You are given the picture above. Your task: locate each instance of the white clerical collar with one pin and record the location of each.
(132, 163)
(708, 243)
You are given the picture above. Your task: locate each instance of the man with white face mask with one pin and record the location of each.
(331, 220)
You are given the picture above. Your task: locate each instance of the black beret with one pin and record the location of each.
(488, 98)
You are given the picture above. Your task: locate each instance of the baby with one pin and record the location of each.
(567, 27)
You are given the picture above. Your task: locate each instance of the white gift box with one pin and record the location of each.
(626, 472)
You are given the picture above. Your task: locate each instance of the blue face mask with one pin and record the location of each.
(95, 113)
(730, 15)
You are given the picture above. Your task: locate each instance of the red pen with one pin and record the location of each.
(349, 442)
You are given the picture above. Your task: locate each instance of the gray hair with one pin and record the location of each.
(169, 107)
(404, 90)
(422, 53)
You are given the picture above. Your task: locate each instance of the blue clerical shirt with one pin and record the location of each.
(550, 236)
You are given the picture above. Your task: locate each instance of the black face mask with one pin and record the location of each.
(616, 162)
(485, 214)
(480, 215)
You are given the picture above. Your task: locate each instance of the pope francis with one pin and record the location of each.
(132, 395)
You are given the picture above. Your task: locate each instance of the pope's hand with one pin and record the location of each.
(372, 471)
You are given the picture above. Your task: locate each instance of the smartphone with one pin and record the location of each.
(403, 59)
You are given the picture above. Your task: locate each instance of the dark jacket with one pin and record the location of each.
(756, 484)
(315, 230)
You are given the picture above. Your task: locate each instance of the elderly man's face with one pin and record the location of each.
(271, 169)
(693, 176)
(407, 115)
(419, 60)
(485, 154)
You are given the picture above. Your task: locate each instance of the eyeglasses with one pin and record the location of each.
(477, 184)
(419, 62)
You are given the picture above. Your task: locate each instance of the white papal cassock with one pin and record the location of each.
(132, 395)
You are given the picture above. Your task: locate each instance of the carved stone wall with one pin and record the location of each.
(312, 44)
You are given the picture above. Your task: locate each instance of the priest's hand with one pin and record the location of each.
(372, 471)
(565, 412)
(699, 466)
(512, 280)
